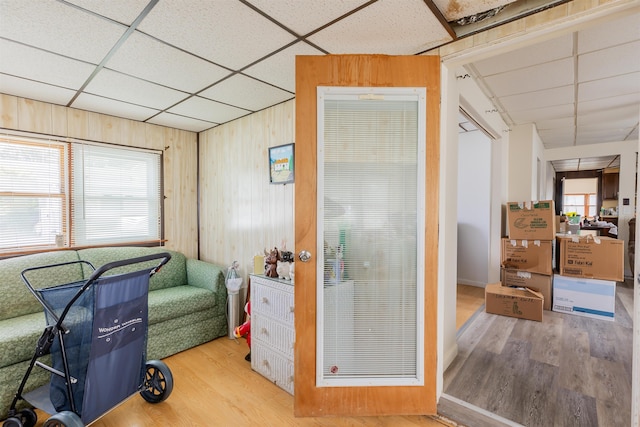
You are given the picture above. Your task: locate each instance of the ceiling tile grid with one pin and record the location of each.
(149, 59)
(228, 33)
(42, 66)
(392, 27)
(53, 26)
(197, 64)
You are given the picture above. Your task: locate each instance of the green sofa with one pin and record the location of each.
(187, 306)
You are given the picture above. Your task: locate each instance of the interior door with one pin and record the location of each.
(313, 397)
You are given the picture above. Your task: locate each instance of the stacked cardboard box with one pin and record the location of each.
(589, 268)
(527, 255)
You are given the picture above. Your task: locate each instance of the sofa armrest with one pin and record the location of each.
(207, 276)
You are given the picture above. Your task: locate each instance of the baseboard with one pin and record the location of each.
(466, 414)
(449, 356)
(471, 283)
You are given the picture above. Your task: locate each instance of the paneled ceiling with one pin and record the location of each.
(195, 64)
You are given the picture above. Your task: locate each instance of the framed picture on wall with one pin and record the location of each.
(281, 164)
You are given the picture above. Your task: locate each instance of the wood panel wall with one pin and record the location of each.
(241, 213)
(179, 159)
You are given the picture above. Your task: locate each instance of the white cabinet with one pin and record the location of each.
(272, 330)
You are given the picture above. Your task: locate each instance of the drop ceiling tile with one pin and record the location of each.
(207, 110)
(539, 99)
(547, 113)
(59, 28)
(560, 135)
(247, 93)
(112, 107)
(608, 103)
(149, 59)
(392, 27)
(228, 33)
(593, 163)
(538, 77)
(111, 84)
(34, 90)
(123, 11)
(606, 88)
(621, 117)
(548, 51)
(305, 17)
(565, 165)
(586, 137)
(453, 10)
(45, 67)
(280, 69)
(618, 31)
(622, 59)
(555, 123)
(181, 122)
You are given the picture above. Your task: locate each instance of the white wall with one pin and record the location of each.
(474, 208)
(448, 217)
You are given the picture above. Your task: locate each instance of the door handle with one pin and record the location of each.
(304, 256)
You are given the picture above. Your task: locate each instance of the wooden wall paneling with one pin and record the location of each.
(367, 71)
(180, 166)
(8, 111)
(77, 123)
(34, 116)
(59, 121)
(132, 132)
(241, 213)
(208, 195)
(180, 188)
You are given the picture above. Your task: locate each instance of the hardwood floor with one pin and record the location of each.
(468, 300)
(564, 371)
(215, 386)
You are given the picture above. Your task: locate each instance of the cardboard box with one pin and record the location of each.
(532, 220)
(585, 297)
(535, 256)
(522, 303)
(591, 257)
(525, 279)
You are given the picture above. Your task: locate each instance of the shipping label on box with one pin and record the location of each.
(522, 303)
(532, 220)
(591, 257)
(535, 256)
(525, 279)
(585, 297)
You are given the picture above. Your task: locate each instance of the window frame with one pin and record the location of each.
(66, 240)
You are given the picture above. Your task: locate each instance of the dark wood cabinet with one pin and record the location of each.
(610, 186)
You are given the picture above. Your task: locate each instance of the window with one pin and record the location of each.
(32, 193)
(55, 193)
(583, 204)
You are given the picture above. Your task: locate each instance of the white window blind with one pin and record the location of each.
(59, 194)
(116, 195)
(32, 193)
(371, 208)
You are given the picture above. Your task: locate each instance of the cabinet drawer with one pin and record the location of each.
(275, 334)
(272, 302)
(272, 366)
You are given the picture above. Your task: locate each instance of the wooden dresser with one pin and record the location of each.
(272, 330)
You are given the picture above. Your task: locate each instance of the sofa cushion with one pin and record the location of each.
(16, 298)
(18, 337)
(174, 273)
(165, 304)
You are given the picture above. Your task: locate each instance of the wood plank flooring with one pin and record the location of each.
(564, 371)
(215, 386)
(468, 300)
